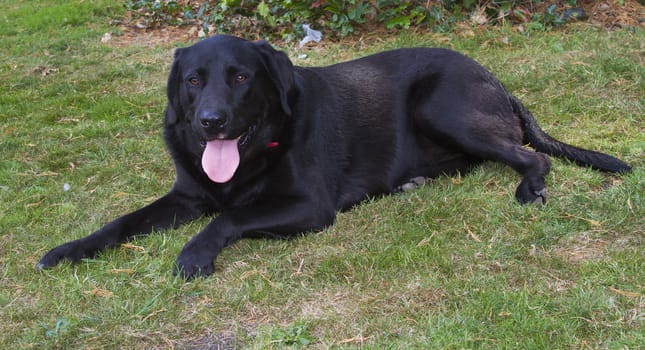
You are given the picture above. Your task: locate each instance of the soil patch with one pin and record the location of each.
(609, 14)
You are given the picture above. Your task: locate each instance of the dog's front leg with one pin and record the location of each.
(198, 255)
(170, 210)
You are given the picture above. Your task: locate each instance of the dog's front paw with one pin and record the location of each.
(193, 263)
(72, 251)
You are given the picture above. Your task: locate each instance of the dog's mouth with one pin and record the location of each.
(246, 136)
(221, 156)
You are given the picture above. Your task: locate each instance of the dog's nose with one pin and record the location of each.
(212, 121)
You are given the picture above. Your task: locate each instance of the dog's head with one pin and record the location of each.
(234, 94)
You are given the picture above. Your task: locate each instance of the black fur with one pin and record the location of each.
(313, 141)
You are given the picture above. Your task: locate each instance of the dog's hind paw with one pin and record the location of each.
(540, 197)
(412, 184)
(531, 190)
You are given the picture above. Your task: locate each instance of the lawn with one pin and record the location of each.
(454, 264)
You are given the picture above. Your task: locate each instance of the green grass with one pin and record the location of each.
(455, 264)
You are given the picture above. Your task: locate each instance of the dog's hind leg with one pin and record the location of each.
(533, 166)
(496, 135)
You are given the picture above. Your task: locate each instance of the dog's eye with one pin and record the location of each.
(193, 81)
(240, 78)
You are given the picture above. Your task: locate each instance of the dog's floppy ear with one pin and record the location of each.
(174, 111)
(280, 70)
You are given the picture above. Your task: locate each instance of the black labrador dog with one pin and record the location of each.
(278, 150)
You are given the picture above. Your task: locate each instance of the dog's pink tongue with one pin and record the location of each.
(220, 160)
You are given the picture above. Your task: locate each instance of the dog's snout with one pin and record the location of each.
(212, 121)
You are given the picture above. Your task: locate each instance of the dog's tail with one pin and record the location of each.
(542, 142)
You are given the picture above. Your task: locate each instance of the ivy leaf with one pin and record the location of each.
(263, 9)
